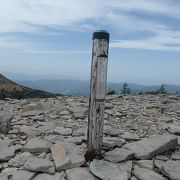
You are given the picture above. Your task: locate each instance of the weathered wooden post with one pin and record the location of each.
(97, 93)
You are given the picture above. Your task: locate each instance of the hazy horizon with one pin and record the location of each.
(54, 39)
(23, 77)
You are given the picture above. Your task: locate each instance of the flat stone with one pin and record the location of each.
(37, 145)
(146, 174)
(5, 121)
(172, 169)
(32, 113)
(79, 174)
(38, 118)
(60, 156)
(67, 155)
(79, 112)
(109, 112)
(162, 157)
(118, 114)
(80, 132)
(6, 152)
(22, 175)
(107, 170)
(118, 155)
(147, 164)
(174, 129)
(128, 166)
(64, 113)
(30, 131)
(63, 131)
(108, 106)
(39, 165)
(112, 131)
(176, 156)
(158, 163)
(130, 136)
(19, 159)
(75, 140)
(111, 142)
(178, 140)
(56, 176)
(150, 147)
(54, 138)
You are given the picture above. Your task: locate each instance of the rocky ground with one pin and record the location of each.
(46, 139)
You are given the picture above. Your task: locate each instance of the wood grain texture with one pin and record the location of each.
(97, 95)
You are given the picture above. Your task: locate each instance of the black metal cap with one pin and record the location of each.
(101, 34)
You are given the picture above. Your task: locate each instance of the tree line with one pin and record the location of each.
(126, 90)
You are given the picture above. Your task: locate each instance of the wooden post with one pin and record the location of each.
(97, 93)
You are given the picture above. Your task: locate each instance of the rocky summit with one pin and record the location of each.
(46, 139)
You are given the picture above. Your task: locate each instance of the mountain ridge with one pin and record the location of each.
(79, 87)
(11, 89)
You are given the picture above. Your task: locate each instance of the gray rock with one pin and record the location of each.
(79, 112)
(32, 113)
(67, 155)
(107, 170)
(19, 159)
(56, 176)
(6, 151)
(178, 140)
(108, 105)
(63, 131)
(37, 145)
(150, 147)
(146, 174)
(147, 164)
(112, 131)
(39, 165)
(130, 136)
(128, 166)
(162, 157)
(54, 138)
(38, 118)
(176, 156)
(111, 142)
(158, 163)
(109, 112)
(60, 156)
(75, 140)
(174, 129)
(172, 169)
(22, 175)
(30, 131)
(5, 121)
(79, 174)
(119, 155)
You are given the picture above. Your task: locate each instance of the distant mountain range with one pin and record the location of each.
(77, 87)
(10, 89)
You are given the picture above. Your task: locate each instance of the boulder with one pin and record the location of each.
(79, 174)
(150, 147)
(147, 174)
(5, 121)
(39, 165)
(171, 169)
(107, 170)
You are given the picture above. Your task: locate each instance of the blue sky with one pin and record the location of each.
(53, 38)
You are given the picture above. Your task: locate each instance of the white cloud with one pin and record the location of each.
(25, 15)
(164, 41)
(35, 15)
(58, 52)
